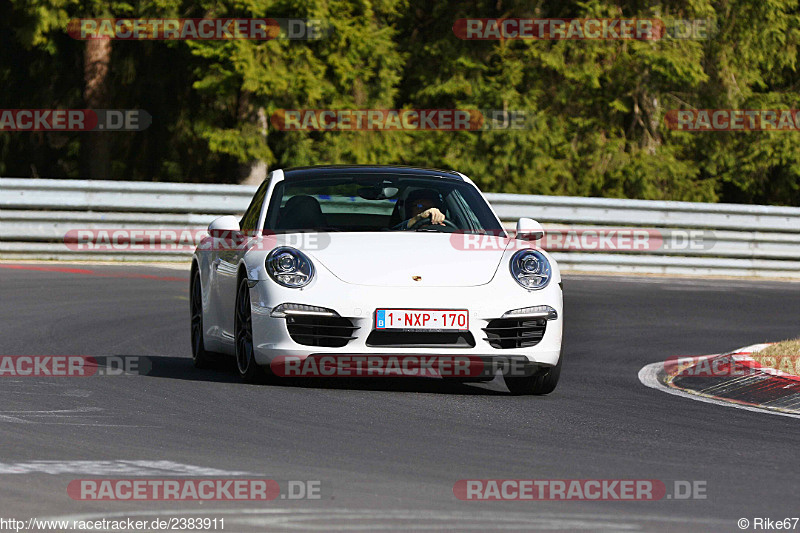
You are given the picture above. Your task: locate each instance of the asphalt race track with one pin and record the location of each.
(388, 452)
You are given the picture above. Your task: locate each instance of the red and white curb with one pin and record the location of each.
(656, 376)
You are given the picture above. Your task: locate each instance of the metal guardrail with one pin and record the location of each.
(739, 240)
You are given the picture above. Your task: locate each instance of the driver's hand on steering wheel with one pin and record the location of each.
(436, 216)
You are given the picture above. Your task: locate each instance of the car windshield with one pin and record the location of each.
(377, 202)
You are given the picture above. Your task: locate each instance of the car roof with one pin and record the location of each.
(328, 170)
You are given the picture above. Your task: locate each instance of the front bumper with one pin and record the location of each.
(358, 303)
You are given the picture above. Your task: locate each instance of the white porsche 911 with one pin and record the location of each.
(377, 261)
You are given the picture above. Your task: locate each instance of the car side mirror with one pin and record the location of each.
(228, 223)
(529, 230)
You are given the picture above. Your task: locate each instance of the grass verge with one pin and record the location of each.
(783, 356)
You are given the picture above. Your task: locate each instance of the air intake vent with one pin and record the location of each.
(328, 331)
(421, 339)
(505, 333)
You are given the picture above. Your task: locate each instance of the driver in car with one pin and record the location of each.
(422, 204)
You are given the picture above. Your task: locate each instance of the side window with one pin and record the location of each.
(250, 217)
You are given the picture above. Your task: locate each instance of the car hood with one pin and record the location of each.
(395, 259)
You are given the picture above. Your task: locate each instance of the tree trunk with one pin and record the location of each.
(96, 149)
(255, 171)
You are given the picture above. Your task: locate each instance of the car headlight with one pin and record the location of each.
(289, 267)
(531, 269)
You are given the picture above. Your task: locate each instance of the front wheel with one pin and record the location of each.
(537, 384)
(249, 370)
(200, 357)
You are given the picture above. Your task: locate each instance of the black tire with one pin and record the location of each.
(249, 370)
(538, 384)
(200, 356)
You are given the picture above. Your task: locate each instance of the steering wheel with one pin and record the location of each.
(427, 222)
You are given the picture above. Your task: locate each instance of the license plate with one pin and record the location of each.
(422, 319)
